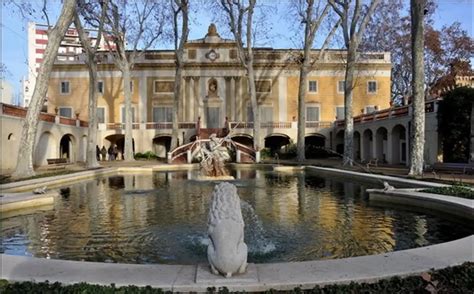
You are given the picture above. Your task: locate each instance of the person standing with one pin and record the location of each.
(103, 151)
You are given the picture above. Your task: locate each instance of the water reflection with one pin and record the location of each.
(161, 218)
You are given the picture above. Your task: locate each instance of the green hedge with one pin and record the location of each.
(454, 190)
(457, 279)
(147, 155)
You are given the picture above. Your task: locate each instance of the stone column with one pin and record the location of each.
(374, 145)
(191, 116)
(389, 155)
(198, 104)
(362, 147)
(142, 102)
(239, 101)
(232, 99)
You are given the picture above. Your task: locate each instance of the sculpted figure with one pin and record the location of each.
(227, 252)
(215, 156)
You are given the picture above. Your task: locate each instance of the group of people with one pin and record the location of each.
(102, 153)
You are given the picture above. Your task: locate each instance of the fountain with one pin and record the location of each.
(227, 251)
(213, 158)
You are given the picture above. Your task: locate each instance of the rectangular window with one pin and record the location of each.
(163, 87)
(313, 86)
(100, 87)
(312, 113)
(371, 87)
(123, 114)
(65, 112)
(266, 113)
(100, 115)
(370, 109)
(340, 112)
(162, 114)
(341, 85)
(64, 87)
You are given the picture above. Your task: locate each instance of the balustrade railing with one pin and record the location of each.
(17, 111)
(318, 124)
(400, 111)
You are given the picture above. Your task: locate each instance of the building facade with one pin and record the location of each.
(69, 50)
(215, 91)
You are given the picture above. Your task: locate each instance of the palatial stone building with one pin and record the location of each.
(215, 91)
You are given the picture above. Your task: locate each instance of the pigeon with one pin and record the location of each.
(41, 190)
(387, 187)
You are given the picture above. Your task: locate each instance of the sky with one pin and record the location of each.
(14, 37)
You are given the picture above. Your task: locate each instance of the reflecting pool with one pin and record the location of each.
(162, 218)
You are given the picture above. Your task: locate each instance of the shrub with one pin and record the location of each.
(266, 153)
(457, 190)
(147, 155)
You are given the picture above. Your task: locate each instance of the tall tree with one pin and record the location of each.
(134, 24)
(417, 8)
(354, 21)
(312, 18)
(240, 15)
(24, 167)
(91, 62)
(180, 9)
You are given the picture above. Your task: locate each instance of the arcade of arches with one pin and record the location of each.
(387, 145)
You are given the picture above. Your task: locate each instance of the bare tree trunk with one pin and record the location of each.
(349, 121)
(176, 103)
(24, 167)
(182, 7)
(300, 146)
(91, 154)
(128, 152)
(254, 102)
(417, 45)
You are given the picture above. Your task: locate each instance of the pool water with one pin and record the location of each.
(162, 218)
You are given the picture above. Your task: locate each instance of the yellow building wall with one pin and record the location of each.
(112, 98)
(328, 97)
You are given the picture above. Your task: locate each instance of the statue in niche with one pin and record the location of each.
(212, 89)
(227, 251)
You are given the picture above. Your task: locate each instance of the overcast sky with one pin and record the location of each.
(14, 36)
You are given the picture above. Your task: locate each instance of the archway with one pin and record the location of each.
(314, 146)
(243, 139)
(161, 145)
(339, 142)
(119, 141)
(275, 142)
(367, 144)
(356, 155)
(399, 145)
(66, 147)
(47, 147)
(381, 144)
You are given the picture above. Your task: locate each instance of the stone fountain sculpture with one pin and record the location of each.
(214, 156)
(227, 251)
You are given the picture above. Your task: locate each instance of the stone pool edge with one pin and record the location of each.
(278, 276)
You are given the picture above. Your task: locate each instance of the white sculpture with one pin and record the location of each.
(214, 157)
(227, 252)
(387, 187)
